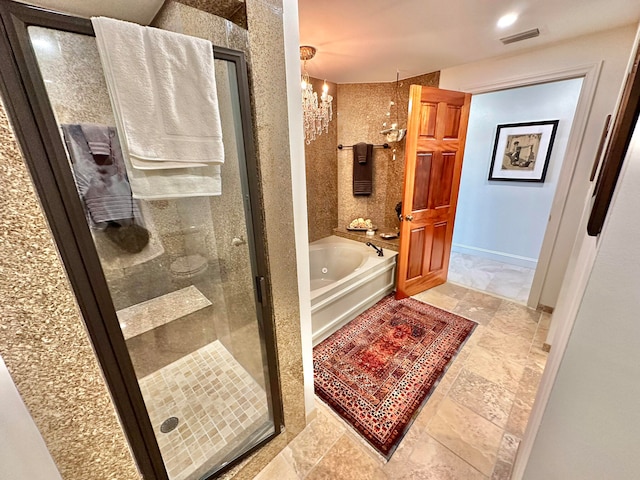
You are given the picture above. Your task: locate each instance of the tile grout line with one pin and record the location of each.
(353, 433)
(320, 459)
(480, 414)
(454, 453)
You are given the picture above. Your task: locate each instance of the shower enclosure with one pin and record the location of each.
(180, 321)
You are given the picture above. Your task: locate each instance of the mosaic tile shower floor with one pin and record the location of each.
(218, 405)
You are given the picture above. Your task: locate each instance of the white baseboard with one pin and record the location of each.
(495, 255)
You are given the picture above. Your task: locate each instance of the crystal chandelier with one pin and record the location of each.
(316, 115)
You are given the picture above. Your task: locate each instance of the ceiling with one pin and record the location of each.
(368, 40)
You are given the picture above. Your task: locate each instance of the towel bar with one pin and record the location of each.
(384, 145)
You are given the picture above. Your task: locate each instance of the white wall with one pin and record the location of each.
(506, 220)
(590, 428)
(23, 453)
(299, 192)
(612, 48)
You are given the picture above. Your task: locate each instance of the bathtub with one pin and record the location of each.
(347, 277)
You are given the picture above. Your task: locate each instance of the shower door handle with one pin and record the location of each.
(261, 288)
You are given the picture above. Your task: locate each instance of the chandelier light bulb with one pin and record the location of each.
(316, 112)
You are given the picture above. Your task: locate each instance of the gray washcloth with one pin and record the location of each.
(100, 173)
(97, 137)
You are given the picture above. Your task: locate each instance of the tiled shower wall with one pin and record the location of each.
(43, 340)
(266, 44)
(321, 159)
(42, 337)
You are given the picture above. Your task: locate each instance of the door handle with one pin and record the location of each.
(261, 285)
(408, 218)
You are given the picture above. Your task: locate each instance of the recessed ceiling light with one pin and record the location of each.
(507, 20)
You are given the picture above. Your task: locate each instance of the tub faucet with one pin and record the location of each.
(377, 249)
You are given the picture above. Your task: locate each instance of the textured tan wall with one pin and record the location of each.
(234, 10)
(321, 160)
(43, 340)
(362, 111)
(266, 43)
(42, 337)
(361, 114)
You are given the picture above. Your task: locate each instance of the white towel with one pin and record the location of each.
(154, 179)
(175, 182)
(163, 90)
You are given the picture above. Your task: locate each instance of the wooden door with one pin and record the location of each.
(436, 133)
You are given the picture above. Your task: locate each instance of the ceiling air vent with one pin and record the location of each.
(520, 36)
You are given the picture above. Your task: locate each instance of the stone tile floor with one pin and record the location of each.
(504, 279)
(472, 424)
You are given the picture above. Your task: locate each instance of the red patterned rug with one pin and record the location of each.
(379, 370)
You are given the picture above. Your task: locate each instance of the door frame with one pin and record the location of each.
(590, 74)
(29, 110)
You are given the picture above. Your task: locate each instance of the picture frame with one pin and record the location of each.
(521, 151)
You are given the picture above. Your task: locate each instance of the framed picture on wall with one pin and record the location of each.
(522, 151)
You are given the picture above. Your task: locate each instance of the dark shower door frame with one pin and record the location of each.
(27, 104)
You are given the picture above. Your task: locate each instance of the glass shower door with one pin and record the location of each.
(181, 273)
